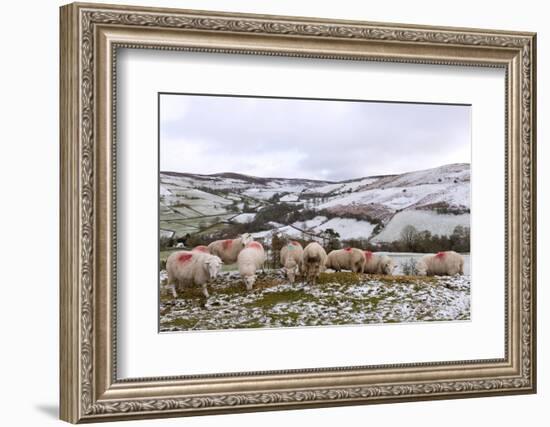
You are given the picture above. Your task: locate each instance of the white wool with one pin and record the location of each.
(351, 259)
(447, 263)
(187, 268)
(378, 264)
(291, 260)
(249, 260)
(229, 253)
(314, 260)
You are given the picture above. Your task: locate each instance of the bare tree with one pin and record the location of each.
(409, 237)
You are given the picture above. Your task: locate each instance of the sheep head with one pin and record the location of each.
(388, 266)
(249, 282)
(291, 270)
(421, 268)
(246, 238)
(213, 266)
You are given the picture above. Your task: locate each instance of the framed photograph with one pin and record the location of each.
(267, 212)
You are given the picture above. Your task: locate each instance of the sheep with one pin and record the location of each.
(378, 264)
(291, 260)
(448, 263)
(179, 245)
(187, 268)
(201, 248)
(250, 259)
(313, 261)
(351, 259)
(228, 250)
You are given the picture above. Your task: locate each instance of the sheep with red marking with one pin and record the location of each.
(228, 250)
(201, 248)
(314, 260)
(448, 263)
(249, 260)
(187, 268)
(291, 260)
(346, 259)
(378, 264)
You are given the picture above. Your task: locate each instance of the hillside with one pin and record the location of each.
(375, 208)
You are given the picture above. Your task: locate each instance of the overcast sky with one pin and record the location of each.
(292, 138)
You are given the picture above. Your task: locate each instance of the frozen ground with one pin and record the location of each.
(205, 204)
(337, 299)
(442, 224)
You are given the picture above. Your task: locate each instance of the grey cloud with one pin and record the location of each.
(342, 139)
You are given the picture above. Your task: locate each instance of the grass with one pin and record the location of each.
(182, 323)
(342, 277)
(403, 280)
(270, 299)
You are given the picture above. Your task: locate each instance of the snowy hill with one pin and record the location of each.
(375, 208)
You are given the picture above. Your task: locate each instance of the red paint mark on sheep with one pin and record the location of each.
(368, 255)
(440, 255)
(183, 258)
(201, 248)
(227, 243)
(294, 243)
(254, 245)
(347, 249)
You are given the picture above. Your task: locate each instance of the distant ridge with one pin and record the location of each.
(258, 179)
(370, 207)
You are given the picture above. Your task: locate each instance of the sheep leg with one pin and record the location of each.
(174, 293)
(205, 290)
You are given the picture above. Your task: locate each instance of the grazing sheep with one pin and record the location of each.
(291, 260)
(378, 264)
(313, 261)
(201, 248)
(186, 268)
(228, 250)
(179, 245)
(448, 263)
(249, 260)
(351, 259)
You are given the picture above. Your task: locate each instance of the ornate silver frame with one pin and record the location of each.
(90, 35)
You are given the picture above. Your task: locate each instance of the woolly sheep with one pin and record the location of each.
(201, 248)
(313, 261)
(291, 260)
(448, 263)
(228, 250)
(351, 259)
(378, 264)
(187, 268)
(250, 259)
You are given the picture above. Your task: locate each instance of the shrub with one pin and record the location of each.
(408, 267)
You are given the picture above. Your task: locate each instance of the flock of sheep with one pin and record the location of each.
(202, 264)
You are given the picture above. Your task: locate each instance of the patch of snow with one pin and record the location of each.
(244, 218)
(442, 224)
(290, 198)
(310, 223)
(164, 191)
(166, 233)
(348, 228)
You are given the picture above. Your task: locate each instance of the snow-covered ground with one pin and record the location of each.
(244, 218)
(442, 224)
(337, 299)
(348, 228)
(393, 201)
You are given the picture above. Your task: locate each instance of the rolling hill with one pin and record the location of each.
(375, 208)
